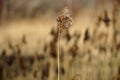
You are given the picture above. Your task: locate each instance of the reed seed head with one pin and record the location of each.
(64, 20)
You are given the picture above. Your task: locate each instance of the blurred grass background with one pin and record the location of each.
(89, 49)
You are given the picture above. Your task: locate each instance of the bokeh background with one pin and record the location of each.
(89, 50)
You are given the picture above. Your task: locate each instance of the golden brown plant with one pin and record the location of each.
(64, 21)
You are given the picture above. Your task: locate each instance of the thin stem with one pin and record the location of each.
(59, 54)
(114, 26)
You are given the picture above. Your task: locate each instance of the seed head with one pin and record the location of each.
(64, 20)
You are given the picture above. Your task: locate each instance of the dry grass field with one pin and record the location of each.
(88, 50)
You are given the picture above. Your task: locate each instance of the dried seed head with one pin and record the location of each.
(64, 20)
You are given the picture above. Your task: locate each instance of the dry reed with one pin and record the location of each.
(64, 21)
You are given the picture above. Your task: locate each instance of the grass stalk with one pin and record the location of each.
(59, 33)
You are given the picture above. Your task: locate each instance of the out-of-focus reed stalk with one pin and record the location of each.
(115, 15)
(114, 24)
